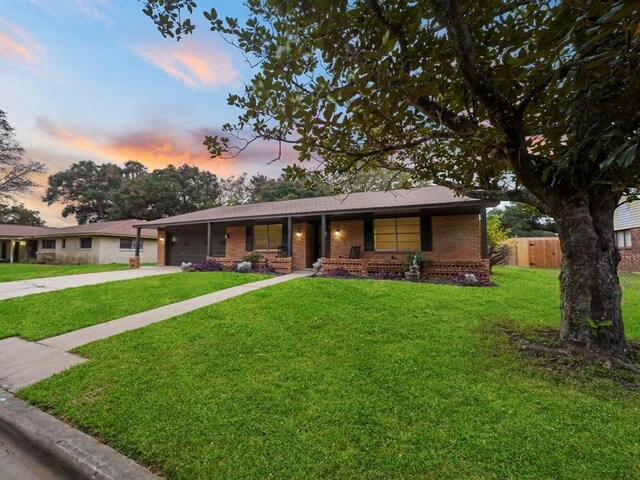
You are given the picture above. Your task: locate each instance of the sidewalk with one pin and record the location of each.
(20, 288)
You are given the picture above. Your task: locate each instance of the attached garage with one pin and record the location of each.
(189, 243)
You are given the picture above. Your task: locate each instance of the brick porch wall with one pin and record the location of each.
(162, 248)
(455, 237)
(630, 257)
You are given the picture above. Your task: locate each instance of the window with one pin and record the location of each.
(64, 243)
(86, 243)
(49, 244)
(130, 244)
(623, 239)
(267, 237)
(396, 234)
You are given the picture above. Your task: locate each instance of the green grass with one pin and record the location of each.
(35, 317)
(322, 378)
(10, 272)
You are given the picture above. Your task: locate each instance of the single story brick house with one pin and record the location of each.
(375, 229)
(626, 223)
(102, 242)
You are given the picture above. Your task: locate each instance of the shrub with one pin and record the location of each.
(187, 267)
(232, 267)
(382, 275)
(266, 268)
(244, 267)
(339, 273)
(409, 256)
(253, 258)
(472, 279)
(208, 265)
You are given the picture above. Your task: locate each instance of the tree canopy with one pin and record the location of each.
(522, 100)
(94, 192)
(18, 214)
(522, 220)
(16, 172)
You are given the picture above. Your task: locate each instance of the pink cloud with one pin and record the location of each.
(16, 45)
(164, 145)
(196, 65)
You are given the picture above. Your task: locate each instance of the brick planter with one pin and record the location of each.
(281, 265)
(440, 269)
(134, 262)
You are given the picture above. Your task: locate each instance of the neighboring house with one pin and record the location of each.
(104, 242)
(626, 223)
(372, 226)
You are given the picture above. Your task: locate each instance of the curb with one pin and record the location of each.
(76, 453)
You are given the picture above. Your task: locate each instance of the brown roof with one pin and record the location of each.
(117, 228)
(7, 230)
(431, 196)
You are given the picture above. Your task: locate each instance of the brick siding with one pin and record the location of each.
(236, 242)
(455, 237)
(162, 248)
(630, 257)
(302, 245)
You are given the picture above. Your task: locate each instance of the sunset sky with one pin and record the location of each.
(94, 79)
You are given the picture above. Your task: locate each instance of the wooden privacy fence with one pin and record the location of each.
(541, 252)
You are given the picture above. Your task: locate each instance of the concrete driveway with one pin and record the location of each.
(22, 288)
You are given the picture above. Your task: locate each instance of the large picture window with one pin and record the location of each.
(396, 234)
(623, 239)
(267, 237)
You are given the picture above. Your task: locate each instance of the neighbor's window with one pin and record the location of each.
(86, 242)
(623, 238)
(130, 244)
(396, 234)
(49, 244)
(64, 243)
(267, 237)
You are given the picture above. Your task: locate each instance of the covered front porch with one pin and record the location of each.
(14, 250)
(452, 239)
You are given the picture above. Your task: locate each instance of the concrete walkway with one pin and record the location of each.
(23, 363)
(21, 288)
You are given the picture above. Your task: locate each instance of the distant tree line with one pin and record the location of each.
(98, 192)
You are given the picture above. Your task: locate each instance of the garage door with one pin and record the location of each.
(189, 244)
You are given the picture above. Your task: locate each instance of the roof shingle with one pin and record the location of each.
(429, 196)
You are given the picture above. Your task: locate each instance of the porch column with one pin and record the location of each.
(323, 236)
(209, 239)
(483, 234)
(11, 245)
(138, 241)
(289, 237)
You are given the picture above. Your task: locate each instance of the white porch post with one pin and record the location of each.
(11, 242)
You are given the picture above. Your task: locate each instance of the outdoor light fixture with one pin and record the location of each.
(298, 233)
(226, 236)
(337, 232)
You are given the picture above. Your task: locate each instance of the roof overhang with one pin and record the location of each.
(442, 209)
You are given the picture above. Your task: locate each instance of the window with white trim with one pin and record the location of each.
(623, 238)
(267, 237)
(396, 234)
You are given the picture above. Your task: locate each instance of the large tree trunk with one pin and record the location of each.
(590, 292)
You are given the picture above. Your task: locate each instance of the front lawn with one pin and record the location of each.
(35, 317)
(325, 378)
(10, 272)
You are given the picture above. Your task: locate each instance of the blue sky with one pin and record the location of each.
(94, 79)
